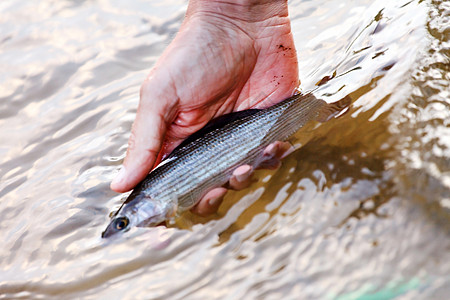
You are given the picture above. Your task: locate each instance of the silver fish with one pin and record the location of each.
(208, 157)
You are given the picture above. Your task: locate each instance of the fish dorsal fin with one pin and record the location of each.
(214, 124)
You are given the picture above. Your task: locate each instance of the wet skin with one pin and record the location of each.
(226, 57)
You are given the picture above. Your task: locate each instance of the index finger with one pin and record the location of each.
(153, 116)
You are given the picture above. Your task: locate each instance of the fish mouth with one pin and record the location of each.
(107, 233)
(110, 233)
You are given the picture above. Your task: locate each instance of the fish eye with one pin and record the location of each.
(121, 223)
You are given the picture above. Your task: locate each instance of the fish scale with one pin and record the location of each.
(207, 159)
(224, 149)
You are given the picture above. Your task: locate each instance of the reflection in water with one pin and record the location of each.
(423, 127)
(360, 210)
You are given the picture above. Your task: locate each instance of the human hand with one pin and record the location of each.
(226, 57)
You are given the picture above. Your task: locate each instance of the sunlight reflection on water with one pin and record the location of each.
(361, 209)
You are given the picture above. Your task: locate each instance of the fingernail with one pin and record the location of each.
(120, 177)
(214, 201)
(243, 173)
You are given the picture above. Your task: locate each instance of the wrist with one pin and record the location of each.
(240, 10)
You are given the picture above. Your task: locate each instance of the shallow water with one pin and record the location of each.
(360, 211)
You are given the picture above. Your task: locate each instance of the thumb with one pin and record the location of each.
(153, 115)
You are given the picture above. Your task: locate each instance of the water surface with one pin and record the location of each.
(360, 211)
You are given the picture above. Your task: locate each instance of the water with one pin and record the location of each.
(361, 211)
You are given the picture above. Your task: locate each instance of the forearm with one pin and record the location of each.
(242, 10)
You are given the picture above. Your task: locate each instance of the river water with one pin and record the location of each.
(360, 211)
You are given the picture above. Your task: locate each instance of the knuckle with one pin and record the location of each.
(150, 153)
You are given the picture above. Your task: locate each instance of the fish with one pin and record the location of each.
(207, 159)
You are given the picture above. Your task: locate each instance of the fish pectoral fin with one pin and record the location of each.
(172, 213)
